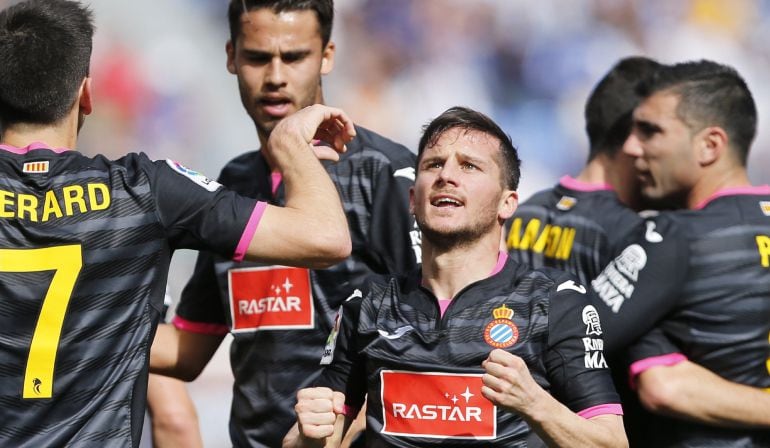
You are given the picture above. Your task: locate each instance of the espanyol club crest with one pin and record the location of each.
(501, 332)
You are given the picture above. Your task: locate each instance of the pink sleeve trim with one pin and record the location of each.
(200, 327)
(248, 232)
(349, 411)
(602, 409)
(647, 363)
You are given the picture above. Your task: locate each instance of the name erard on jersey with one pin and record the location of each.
(550, 240)
(57, 202)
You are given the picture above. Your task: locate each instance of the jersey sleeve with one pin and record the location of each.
(343, 366)
(575, 362)
(393, 235)
(200, 309)
(642, 283)
(199, 213)
(651, 350)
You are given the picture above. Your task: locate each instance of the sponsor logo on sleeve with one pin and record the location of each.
(594, 347)
(198, 178)
(331, 340)
(270, 298)
(41, 166)
(501, 332)
(616, 283)
(436, 405)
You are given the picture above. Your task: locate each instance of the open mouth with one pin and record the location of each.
(276, 106)
(445, 201)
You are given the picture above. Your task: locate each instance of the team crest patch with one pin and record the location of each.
(501, 332)
(40, 166)
(566, 203)
(198, 178)
(765, 207)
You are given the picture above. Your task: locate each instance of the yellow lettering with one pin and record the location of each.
(27, 204)
(51, 205)
(530, 234)
(539, 246)
(6, 199)
(103, 191)
(73, 194)
(513, 236)
(565, 244)
(763, 244)
(553, 241)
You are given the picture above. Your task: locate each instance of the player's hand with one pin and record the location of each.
(508, 383)
(317, 409)
(326, 129)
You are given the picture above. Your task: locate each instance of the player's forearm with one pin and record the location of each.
(181, 354)
(313, 200)
(689, 391)
(560, 427)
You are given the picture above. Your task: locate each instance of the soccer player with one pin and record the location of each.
(85, 243)
(279, 51)
(576, 225)
(691, 137)
(473, 349)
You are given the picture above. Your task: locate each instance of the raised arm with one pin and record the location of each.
(311, 230)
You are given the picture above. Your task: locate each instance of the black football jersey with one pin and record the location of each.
(85, 245)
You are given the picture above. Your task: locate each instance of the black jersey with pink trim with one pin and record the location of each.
(279, 317)
(574, 227)
(718, 314)
(85, 245)
(422, 371)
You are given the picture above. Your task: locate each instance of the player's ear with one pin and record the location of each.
(230, 50)
(327, 58)
(84, 97)
(712, 145)
(508, 204)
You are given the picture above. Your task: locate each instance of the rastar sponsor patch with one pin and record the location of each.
(436, 405)
(270, 298)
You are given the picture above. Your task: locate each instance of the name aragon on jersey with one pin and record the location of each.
(57, 202)
(550, 240)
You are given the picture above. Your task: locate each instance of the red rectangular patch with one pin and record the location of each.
(436, 405)
(270, 298)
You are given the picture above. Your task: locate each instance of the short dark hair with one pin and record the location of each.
(471, 120)
(611, 104)
(45, 51)
(710, 94)
(323, 9)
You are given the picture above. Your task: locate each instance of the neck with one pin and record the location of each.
(59, 135)
(711, 183)
(446, 271)
(597, 171)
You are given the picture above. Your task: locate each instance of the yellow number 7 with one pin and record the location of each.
(66, 262)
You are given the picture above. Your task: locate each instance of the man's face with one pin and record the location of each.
(458, 195)
(664, 148)
(279, 60)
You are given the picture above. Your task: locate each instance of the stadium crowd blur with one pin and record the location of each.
(162, 87)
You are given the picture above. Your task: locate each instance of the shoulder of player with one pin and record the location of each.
(246, 165)
(369, 144)
(552, 282)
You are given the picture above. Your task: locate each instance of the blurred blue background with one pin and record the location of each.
(161, 85)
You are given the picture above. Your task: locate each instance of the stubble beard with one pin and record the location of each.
(457, 238)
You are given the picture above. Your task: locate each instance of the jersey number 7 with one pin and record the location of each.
(66, 262)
